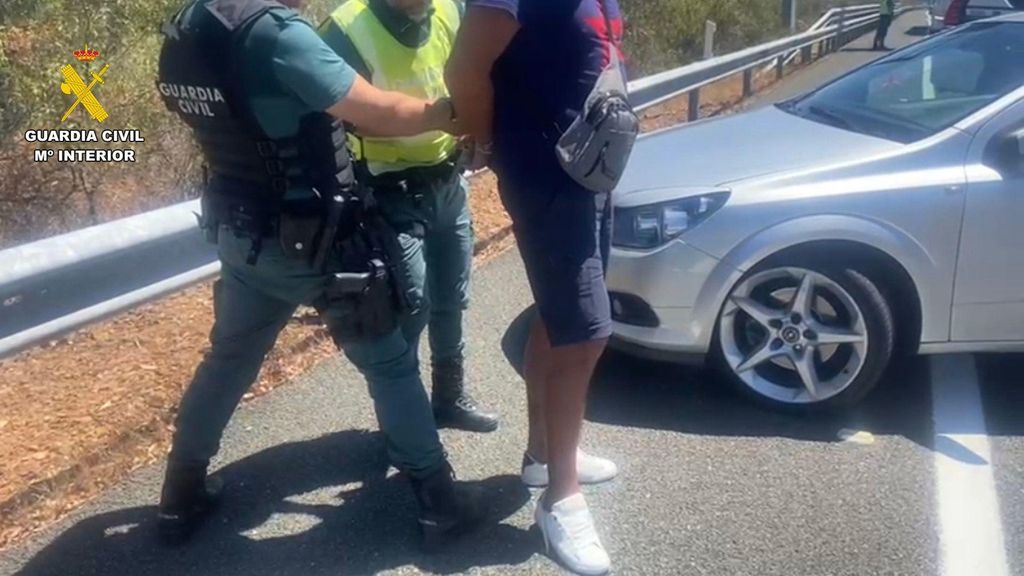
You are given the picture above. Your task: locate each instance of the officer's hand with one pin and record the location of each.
(392, 114)
(441, 116)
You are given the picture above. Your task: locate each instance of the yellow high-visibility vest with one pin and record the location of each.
(395, 67)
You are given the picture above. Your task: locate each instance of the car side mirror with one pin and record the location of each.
(1007, 154)
(1015, 151)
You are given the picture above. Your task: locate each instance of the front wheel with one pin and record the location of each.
(805, 337)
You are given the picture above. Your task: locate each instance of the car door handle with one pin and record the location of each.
(954, 189)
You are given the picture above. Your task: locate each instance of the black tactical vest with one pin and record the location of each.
(200, 80)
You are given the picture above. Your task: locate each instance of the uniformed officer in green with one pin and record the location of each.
(886, 12)
(403, 45)
(261, 90)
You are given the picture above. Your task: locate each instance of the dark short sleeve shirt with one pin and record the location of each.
(544, 77)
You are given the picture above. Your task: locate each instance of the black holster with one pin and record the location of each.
(364, 298)
(301, 232)
(361, 304)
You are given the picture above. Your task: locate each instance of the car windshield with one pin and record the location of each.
(925, 89)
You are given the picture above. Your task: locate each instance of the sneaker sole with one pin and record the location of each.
(582, 482)
(557, 560)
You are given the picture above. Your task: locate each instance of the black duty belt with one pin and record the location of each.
(250, 217)
(412, 178)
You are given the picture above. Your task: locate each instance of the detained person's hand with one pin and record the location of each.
(475, 156)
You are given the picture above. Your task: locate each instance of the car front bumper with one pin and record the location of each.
(671, 282)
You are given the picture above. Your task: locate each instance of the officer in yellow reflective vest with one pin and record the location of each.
(403, 46)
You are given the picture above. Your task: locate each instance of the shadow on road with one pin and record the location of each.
(918, 31)
(644, 394)
(867, 50)
(324, 506)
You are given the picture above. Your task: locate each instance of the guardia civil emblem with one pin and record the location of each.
(74, 85)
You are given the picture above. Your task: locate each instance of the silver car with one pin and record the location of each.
(802, 245)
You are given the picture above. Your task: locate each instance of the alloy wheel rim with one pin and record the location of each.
(793, 335)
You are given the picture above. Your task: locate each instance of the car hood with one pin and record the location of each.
(721, 151)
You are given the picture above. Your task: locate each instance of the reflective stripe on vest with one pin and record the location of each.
(395, 67)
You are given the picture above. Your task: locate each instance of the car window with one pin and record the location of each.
(1018, 4)
(988, 7)
(993, 4)
(945, 75)
(927, 88)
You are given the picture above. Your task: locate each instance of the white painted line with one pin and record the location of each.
(970, 530)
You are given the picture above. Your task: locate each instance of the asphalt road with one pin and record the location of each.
(710, 485)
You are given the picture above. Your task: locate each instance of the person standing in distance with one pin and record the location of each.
(886, 12)
(403, 45)
(262, 94)
(520, 75)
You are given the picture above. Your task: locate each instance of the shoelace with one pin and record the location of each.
(466, 403)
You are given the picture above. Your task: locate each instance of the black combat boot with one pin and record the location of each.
(447, 508)
(453, 407)
(187, 498)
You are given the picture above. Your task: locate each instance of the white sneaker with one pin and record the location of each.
(569, 533)
(589, 468)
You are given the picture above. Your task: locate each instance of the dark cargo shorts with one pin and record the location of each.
(563, 232)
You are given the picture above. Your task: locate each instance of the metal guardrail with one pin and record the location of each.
(833, 31)
(834, 16)
(54, 286)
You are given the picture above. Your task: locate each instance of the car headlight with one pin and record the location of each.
(655, 224)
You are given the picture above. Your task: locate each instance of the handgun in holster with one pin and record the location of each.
(334, 213)
(364, 299)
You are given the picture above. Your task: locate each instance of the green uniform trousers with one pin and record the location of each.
(253, 303)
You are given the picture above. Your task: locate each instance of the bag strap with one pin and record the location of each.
(612, 46)
(607, 22)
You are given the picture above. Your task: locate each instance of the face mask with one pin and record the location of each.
(416, 14)
(419, 15)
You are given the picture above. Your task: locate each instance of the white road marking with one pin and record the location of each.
(970, 530)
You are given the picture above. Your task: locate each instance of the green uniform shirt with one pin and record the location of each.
(288, 71)
(887, 7)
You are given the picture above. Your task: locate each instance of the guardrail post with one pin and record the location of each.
(780, 67)
(693, 110)
(841, 31)
(748, 82)
(709, 38)
(807, 54)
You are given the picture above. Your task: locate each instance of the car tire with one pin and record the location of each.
(853, 368)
